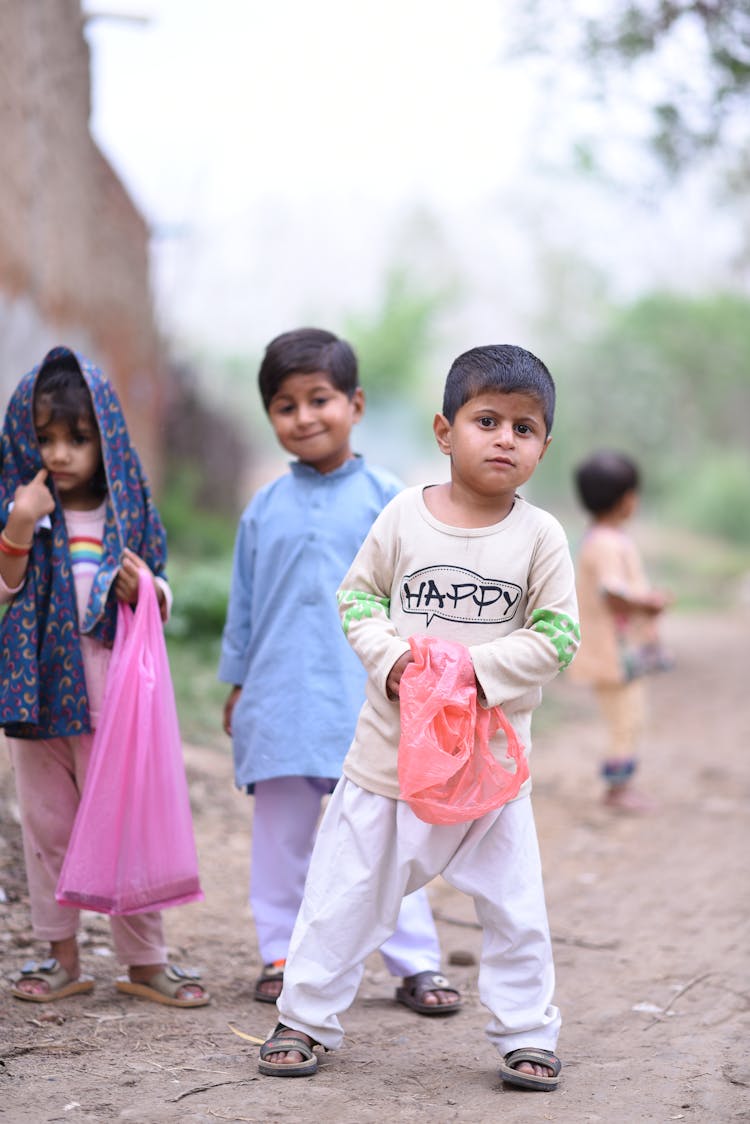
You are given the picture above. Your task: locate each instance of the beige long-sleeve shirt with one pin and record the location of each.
(506, 592)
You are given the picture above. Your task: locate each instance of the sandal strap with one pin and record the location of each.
(422, 982)
(274, 971)
(180, 975)
(286, 1038)
(534, 1055)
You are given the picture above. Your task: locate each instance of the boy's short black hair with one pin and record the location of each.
(500, 367)
(304, 351)
(604, 478)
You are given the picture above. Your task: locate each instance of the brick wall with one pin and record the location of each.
(73, 248)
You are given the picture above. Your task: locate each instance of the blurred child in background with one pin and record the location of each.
(619, 613)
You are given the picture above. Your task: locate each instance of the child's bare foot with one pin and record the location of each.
(625, 798)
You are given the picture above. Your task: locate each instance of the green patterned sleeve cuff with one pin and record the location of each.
(561, 630)
(360, 606)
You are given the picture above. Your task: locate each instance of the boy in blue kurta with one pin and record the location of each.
(297, 685)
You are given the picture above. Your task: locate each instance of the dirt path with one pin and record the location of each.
(649, 918)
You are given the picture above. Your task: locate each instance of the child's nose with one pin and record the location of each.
(58, 452)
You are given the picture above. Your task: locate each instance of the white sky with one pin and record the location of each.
(282, 151)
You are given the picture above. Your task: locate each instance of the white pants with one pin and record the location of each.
(284, 823)
(370, 851)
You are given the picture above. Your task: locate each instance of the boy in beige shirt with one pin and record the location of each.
(472, 562)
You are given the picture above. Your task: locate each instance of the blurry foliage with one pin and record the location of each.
(696, 113)
(693, 57)
(201, 592)
(193, 528)
(394, 343)
(666, 379)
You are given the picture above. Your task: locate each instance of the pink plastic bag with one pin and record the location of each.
(446, 770)
(132, 847)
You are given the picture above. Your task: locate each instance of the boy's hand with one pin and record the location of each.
(657, 601)
(394, 675)
(126, 582)
(31, 502)
(229, 705)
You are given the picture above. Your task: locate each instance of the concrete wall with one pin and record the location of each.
(73, 248)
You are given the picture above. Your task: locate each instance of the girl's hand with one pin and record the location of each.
(126, 582)
(31, 502)
(394, 675)
(229, 706)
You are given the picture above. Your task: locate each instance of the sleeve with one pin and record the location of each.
(364, 600)
(7, 593)
(510, 666)
(237, 635)
(617, 567)
(168, 597)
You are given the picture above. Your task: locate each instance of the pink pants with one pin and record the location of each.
(49, 782)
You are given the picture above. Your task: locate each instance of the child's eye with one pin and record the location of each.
(319, 401)
(486, 422)
(41, 439)
(523, 428)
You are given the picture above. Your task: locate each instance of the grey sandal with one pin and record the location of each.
(284, 1038)
(511, 1076)
(414, 989)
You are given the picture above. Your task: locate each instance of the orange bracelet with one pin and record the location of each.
(13, 549)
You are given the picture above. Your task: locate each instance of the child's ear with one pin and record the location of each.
(546, 447)
(441, 427)
(358, 404)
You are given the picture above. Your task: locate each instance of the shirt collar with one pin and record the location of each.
(307, 472)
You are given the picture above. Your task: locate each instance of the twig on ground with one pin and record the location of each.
(221, 1116)
(211, 1085)
(677, 995)
(49, 1047)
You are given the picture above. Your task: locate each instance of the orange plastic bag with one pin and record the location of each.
(446, 770)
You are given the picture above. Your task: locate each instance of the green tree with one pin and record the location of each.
(667, 379)
(689, 60)
(395, 341)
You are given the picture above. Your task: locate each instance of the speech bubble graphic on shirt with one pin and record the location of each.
(460, 595)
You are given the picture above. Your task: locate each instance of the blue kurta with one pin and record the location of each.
(302, 685)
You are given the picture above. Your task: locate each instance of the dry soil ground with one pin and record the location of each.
(649, 918)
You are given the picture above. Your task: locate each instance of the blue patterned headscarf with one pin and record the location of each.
(42, 685)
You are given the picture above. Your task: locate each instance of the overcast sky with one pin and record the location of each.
(286, 153)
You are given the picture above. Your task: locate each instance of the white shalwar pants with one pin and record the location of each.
(372, 850)
(285, 818)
